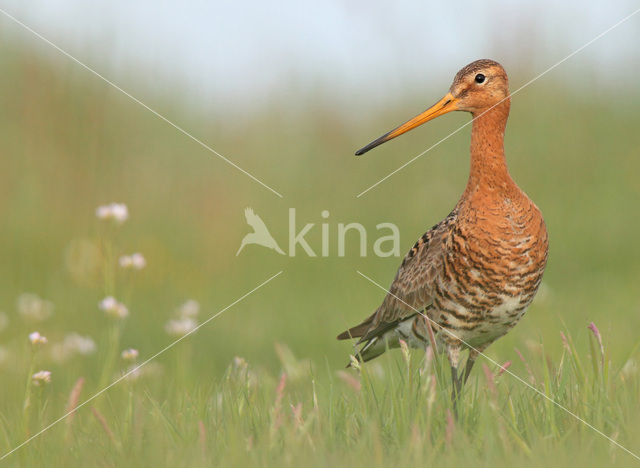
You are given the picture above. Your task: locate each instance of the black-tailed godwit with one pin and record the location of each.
(474, 273)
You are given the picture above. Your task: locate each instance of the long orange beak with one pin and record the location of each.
(446, 104)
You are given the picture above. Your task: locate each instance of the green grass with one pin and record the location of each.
(70, 143)
(396, 411)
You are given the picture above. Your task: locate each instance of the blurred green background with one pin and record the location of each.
(70, 143)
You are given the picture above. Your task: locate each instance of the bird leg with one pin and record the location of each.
(471, 360)
(456, 388)
(453, 353)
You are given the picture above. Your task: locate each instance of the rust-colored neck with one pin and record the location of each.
(488, 164)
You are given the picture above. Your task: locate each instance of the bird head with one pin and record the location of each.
(477, 88)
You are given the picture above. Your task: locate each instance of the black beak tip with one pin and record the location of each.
(372, 145)
(369, 147)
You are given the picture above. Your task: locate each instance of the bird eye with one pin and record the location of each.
(480, 78)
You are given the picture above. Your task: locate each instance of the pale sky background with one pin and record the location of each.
(239, 53)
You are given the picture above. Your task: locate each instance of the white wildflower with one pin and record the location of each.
(180, 327)
(113, 211)
(4, 321)
(41, 378)
(239, 362)
(113, 308)
(138, 261)
(189, 309)
(136, 371)
(73, 343)
(79, 344)
(130, 354)
(33, 308)
(135, 261)
(120, 212)
(103, 212)
(108, 303)
(37, 339)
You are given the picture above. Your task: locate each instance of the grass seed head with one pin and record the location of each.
(405, 352)
(353, 362)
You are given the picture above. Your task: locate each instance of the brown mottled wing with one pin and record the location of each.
(413, 285)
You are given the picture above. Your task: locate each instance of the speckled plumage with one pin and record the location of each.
(476, 271)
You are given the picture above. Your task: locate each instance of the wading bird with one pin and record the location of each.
(469, 279)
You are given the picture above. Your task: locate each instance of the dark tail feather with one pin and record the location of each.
(377, 340)
(357, 331)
